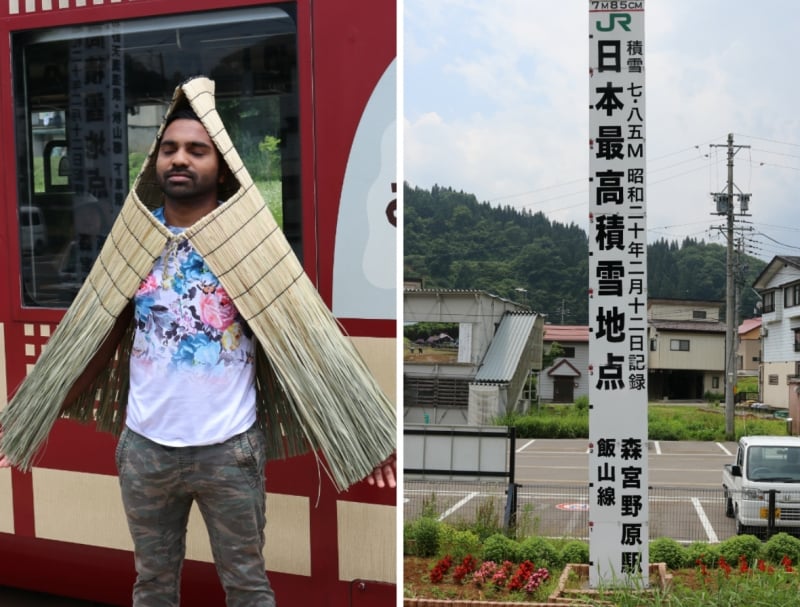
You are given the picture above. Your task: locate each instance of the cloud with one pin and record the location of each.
(496, 104)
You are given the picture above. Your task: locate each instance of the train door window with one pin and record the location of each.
(89, 100)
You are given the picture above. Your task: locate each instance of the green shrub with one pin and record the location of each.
(487, 519)
(458, 543)
(669, 551)
(748, 546)
(582, 403)
(499, 548)
(575, 552)
(780, 545)
(539, 551)
(701, 552)
(423, 537)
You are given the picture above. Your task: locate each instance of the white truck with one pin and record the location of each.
(764, 464)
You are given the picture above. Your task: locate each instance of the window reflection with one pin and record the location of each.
(89, 101)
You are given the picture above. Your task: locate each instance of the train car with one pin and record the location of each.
(307, 89)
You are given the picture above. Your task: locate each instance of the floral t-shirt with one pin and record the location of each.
(192, 371)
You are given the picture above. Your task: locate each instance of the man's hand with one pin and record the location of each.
(383, 475)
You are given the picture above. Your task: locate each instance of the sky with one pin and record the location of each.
(495, 99)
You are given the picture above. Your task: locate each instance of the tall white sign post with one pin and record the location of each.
(618, 476)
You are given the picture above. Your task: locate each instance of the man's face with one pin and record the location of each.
(187, 165)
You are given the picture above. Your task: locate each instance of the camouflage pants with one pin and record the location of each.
(226, 480)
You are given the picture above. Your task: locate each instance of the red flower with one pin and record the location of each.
(723, 564)
(440, 569)
(521, 576)
(703, 569)
(500, 577)
(743, 566)
(467, 566)
(787, 564)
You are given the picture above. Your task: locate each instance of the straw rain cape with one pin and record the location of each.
(314, 390)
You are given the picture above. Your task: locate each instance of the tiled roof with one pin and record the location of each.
(566, 333)
(689, 326)
(749, 324)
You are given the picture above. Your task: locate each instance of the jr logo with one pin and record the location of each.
(623, 19)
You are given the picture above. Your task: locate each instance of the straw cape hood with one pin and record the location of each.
(314, 390)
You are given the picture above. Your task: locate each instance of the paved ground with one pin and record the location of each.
(686, 497)
(12, 597)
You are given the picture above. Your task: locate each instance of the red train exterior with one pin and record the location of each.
(321, 73)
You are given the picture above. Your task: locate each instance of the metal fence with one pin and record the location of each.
(562, 510)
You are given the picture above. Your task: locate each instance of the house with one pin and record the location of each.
(748, 352)
(779, 287)
(686, 349)
(499, 344)
(568, 377)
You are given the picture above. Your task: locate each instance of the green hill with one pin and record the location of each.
(452, 241)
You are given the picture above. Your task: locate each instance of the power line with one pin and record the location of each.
(797, 145)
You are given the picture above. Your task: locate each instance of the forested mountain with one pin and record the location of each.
(452, 241)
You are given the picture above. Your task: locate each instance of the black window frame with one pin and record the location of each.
(680, 343)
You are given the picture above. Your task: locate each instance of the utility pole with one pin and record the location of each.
(725, 207)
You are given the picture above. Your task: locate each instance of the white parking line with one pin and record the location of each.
(721, 446)
(458, 505)
(657, 445)
(701, 513)
(526, 445)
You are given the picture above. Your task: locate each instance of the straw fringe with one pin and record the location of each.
(314, 390)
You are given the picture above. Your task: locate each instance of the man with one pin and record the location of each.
(192, 431)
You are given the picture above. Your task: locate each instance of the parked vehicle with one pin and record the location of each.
(764, 464)
(32, 230)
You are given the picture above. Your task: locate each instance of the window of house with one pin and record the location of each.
(569, 351)
(699, 314)
(679, 345)
(769, 301)
(797, 340)
(715, 383)
(772, 380)
(653, 345)
(791, 296)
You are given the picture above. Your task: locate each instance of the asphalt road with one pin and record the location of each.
(686, 498)
(670, 463)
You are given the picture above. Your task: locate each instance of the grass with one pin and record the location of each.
(665, 422)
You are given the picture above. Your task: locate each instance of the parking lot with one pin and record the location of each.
(685, 478)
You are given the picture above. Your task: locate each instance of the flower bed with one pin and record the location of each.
(469, 582)
(471, 585)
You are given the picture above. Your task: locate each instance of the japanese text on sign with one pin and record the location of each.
(617, 293)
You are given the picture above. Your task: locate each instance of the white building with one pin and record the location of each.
(499, 344)
(779, 287)
(567, 378)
